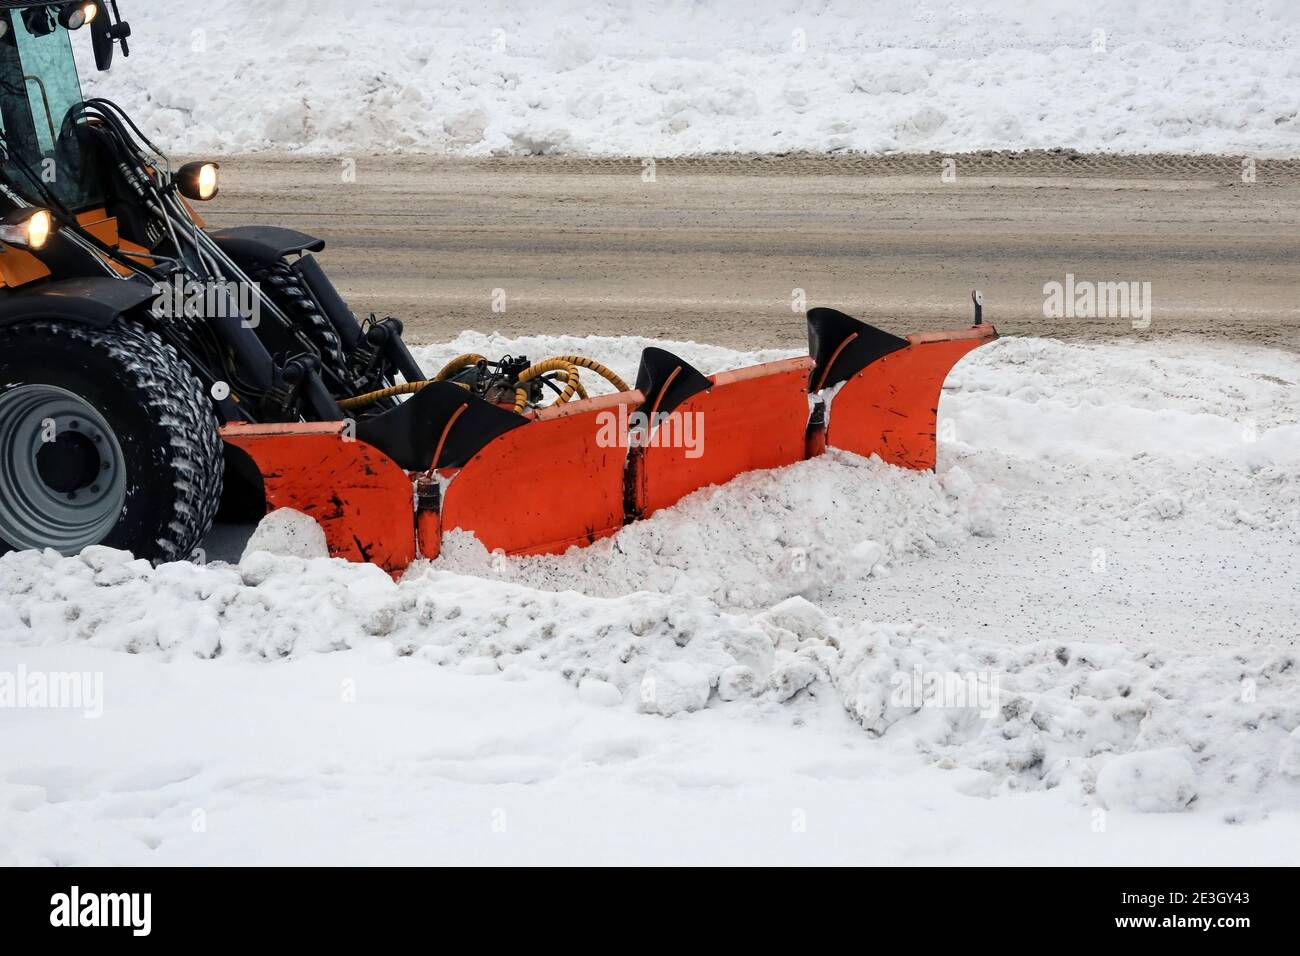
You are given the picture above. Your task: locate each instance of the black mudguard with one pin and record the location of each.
(94, 301)
(259, 247)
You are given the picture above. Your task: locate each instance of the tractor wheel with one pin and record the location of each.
(106, 437)
(287, 290)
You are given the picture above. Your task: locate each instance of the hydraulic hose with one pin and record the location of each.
(456, 364)
(369, 398)
(603, 371)
(566, 365)
(542, 368)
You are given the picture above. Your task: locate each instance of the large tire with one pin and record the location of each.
(135, 462)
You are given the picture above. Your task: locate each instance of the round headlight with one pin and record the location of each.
(39, 227)
(74, 16)
(208, 181)
(27, 227)
(198, 181)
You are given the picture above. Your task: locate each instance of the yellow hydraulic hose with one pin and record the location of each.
(607, 374)
(448, 370)
(542, 368)
(567, 365)
(456, 364)
(361, 401)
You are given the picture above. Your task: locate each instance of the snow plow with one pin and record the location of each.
(153, 370)
(460, 461)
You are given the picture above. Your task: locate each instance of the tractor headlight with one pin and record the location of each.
(27, 227)
(74, 16)
(198, 181)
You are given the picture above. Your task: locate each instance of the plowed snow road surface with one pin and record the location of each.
(712, 250)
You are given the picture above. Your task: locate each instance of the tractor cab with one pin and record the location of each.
(40, 107)
(53, 168)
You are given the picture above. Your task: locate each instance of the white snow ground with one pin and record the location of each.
(673, 77)
(1105, 560)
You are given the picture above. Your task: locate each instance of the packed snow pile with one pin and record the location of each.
(1095, 594)
(1083, 716)
(799, 531)
(668, 77)
(1028, 718)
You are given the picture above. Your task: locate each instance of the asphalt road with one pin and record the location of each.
(716, 249)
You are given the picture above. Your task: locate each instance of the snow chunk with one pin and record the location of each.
(1149, 781)
(794, 676)
(100, 559)
(673, 688)
(288, 533)
(1166, 506)
(737, 683)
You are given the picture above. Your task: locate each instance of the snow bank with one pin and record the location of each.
(670, 77)
(800, 530)
(270, 607)
(1043, 716)
(1144, 730)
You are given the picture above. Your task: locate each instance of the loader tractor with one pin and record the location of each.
(154, 370)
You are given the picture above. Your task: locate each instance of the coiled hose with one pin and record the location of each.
(566, 365)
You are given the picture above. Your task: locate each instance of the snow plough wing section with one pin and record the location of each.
(386, 490)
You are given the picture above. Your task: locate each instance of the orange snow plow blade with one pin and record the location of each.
(386, 489)
(746, 420)
(573, 497)
(355, 492)
(890, 408)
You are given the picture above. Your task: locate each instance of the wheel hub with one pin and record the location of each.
(70, 463)
(62, 472)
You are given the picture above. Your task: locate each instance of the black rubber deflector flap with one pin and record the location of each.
(409, 434)
(261, 246)
(663, 390)
(828, 329)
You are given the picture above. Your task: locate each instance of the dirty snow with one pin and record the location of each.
(670, 77)
(1091, 608)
